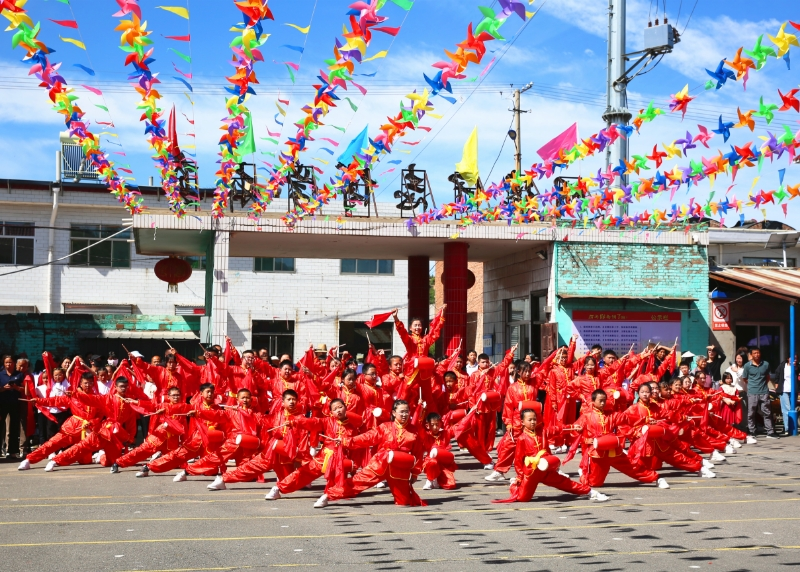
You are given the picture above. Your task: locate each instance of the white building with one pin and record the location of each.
(111, 296)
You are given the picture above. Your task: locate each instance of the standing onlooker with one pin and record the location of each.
(735, 369)
(472, 362)
(10, 386)
(27, 416)
(756, 374)
(783, 387)
(702, 367)
(715, 360)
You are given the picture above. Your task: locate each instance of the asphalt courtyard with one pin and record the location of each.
(83, 518)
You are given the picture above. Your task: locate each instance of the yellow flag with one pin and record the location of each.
(755, 181)
(73, 41)
(299, 29)
(178, 10)
(280, 109)
(381, 54)
(468, 167)
(320, 160)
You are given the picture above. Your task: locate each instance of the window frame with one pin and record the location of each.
(100, 231)
(274, 258)
(16, 241)
(378, 263)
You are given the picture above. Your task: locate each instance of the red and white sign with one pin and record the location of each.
(619, 329)
(623, 316)
(720, 316)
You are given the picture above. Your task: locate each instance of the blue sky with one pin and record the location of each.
(562, 50)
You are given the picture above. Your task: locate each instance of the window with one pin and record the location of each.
(274, 265)
(355, 337)
(518, 324)
(276, 336)
(766, 336)
(756, 261)
(366, 266)
(113, 253)
(15, 246)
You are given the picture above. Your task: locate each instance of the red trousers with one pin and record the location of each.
(60, 441)
(141, 453)
(254, 469)
(444, 475)
(505, 452)
(214, 462)
(598, 468)
(176, 458)
(307, 474)
(377, 471)
(683, 459)
(93, 442)
(551, 478)
(471, 444)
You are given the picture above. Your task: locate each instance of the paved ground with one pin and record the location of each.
(83, 518)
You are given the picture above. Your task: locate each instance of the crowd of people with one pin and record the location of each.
(390, 420)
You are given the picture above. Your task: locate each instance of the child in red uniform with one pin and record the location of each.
(328, 462)
(391, 438)
(531, 447)
(439, 474)
(594, 424)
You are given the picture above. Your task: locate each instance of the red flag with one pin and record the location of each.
(180, 38)
(388, 30)
(563, 141)
(66, 23)
(378, 319)
(172, 135)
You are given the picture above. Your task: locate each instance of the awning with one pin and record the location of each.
(138, 335)
(783, 283)
(603, 296)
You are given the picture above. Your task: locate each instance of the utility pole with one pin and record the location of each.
(516, 133)
(616, 94)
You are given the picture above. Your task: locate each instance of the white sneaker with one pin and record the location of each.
(180, 477)
(50, 466)
(717, 457)
(729, 449)
(494, 477)
(736, 443)
(597, 496)
(322, 502)
(707, 464)
(273, 494)
(553, 449)
(751, 440)
(52, 456)
(662, 483)
(563, 449)
(96, 457)
(707, 474)
(489, 467)
(381, 485)
(427, 486)
(24, 465)
(217, 485)
(145, 472)
(580, 472)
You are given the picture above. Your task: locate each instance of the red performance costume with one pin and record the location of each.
(440, 469)
(389, 463)
(242, 430)
(196, 445)
(166, 431)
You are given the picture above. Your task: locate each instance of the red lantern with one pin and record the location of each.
(173, 271)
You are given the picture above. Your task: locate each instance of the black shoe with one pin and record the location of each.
(114, 468)
(772, 436)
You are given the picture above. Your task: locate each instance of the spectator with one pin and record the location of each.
(263, 354)
(472, 362)
(715, 360)
(702, 367)
(155, 360)
(756, 374)
(740, 384)
(10, 387)
(783, 387)
(26, 410)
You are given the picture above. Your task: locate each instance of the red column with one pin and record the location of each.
(456, 283)
(418, 289)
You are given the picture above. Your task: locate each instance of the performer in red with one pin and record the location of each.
(117, 429)
(242, 429)
(439, 470)
(330, 461)
(199, 443)
(165, 377)
(398, 460)
(534, 464)
(558, 408)
(85, 419)
(168, 425)
(418, 366)
(285, 445)
(652, 437)
(591, 427)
